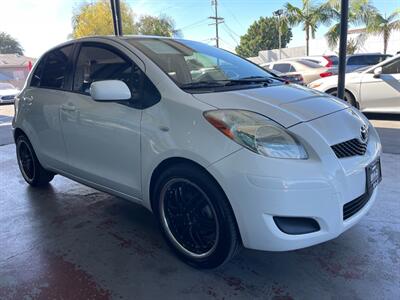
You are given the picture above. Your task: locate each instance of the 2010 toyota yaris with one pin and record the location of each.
(222, 152)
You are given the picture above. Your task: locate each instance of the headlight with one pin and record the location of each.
(257, 133)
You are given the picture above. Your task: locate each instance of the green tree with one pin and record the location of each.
(360, 13)
(160, 26)
(310, 16)
(9, 45)
(384, 26)
(263, 35)
(95, 18)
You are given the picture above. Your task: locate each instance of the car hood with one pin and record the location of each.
(285, 104)
(9, 92)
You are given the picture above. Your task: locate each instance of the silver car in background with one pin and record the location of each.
(371, 89)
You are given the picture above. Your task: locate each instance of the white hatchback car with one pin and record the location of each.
(223, 153)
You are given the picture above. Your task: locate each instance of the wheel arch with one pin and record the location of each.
(18, 132)
(328, 91)
(171, 161)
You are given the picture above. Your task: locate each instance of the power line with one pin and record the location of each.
(193, 24)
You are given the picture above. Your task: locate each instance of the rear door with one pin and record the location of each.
(382, 94)
(48, 90)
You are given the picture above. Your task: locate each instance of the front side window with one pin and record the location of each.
(56, 65)
(189, 62)
(392, 68)
(100, 62)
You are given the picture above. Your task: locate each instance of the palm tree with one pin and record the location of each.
(310, 15)
(360, 13)
(384, 26)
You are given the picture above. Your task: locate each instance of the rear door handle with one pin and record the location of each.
(69, 107)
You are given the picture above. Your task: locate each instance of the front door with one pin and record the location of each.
(103, 138)
(382, 94)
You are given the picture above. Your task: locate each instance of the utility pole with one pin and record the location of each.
(218, 20)
(344, 13)
(116, 14)
(278, 13)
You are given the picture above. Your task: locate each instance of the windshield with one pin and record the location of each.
(189, 62)
(6, 86)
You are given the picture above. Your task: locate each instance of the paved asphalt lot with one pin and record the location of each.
(68, 241)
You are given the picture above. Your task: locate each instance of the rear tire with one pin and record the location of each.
(348, 97)
(29, 165)
(195, 217)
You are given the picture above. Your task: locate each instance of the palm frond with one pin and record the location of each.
(332, 36)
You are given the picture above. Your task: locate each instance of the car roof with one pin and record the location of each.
(367, 54)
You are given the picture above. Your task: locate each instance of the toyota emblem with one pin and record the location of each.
(364, 133)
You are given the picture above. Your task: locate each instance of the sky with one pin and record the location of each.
(41, 24)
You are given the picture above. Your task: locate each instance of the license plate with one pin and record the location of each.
(374, 175)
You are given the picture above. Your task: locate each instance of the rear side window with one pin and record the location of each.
(366, 59)
(283, 68)
(56, 65)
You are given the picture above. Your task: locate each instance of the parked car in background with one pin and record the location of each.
(229, 158)
(357, 61)
(328, 61)
(371, 89)
(310, 71)
(290, 77)
(7, 93)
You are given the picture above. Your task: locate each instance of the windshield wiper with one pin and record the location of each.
(202, 84)
(227, 82)
(251, 80)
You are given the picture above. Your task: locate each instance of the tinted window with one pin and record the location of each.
(103, 63)
(283, 68)
(392, 67)
(56, 66)
(189, 62)
(35, 81)
(366, 59)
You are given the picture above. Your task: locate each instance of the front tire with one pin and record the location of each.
(195, 217)
(29, 165)
(348, 97)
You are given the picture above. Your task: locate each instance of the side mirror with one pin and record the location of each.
(377, 72)
(110, 90)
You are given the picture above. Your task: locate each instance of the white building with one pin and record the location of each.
(372, 44)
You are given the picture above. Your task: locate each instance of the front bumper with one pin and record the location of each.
(261, 188)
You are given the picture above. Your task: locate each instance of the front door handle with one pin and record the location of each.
(68, 107)
(28, 100)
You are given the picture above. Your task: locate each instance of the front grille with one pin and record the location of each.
(352, 207)
(349, 148)
(8, 97)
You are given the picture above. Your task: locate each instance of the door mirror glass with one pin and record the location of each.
(110, 90)
(377, 72)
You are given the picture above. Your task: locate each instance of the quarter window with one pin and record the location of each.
(56, 65)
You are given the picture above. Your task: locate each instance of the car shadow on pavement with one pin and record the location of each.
(117, 243)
